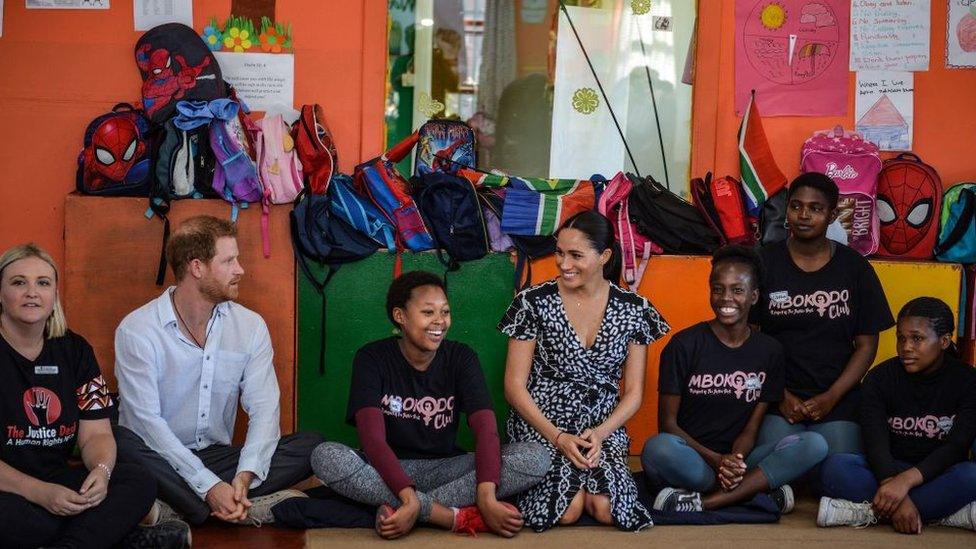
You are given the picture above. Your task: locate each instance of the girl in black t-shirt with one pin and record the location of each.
(52, 397)
(918, 413)
(825, 304)
(716, 381)
(405, 398)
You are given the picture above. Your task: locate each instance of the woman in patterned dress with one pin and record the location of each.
(572, 340)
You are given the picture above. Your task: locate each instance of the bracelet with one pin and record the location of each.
(556, 440)
(108, 472)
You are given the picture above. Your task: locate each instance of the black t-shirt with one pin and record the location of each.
(926, 421)
(420, 409)
(719, 386)
(43, 399)
(816, 317)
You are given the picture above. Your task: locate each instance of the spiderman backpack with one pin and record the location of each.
(909, 202)
(115, 158)
(444, 146)
(176, 64)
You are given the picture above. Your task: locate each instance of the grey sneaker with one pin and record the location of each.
(783, 498)
(169, 534)
(260, 511)
(160, 512)
(840, 512)
(963, 518)
(674, 499)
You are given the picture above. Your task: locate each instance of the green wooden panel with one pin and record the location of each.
(479, 294)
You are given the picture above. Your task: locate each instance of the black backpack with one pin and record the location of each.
(176, 65)
(184, 163)
(677, 226)
(450, 208)
(326, 239)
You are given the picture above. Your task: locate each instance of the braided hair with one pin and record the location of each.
(938, 314)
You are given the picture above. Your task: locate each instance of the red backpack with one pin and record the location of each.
(720, 203)
(909, 204)
(115, 156)
(315, 148)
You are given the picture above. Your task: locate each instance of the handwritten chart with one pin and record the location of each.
(890, 35)
(793, 53)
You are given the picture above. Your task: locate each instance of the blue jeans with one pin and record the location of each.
(669, 461)
(848, 476)
(841, 436)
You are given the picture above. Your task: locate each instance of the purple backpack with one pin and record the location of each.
(854, 164)
(235, 174)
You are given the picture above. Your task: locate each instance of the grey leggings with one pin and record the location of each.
(448, 481)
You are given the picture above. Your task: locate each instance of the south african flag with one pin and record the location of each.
(761, 177)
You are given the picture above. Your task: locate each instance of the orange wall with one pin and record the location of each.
(61, 68)
(945, 112)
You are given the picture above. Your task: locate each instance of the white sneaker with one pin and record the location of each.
(963, 518)
(840, 512)
(675, 499)
(260, 511)
(784, 499)
(160, 512)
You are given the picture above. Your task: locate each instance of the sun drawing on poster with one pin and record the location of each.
(773, 16)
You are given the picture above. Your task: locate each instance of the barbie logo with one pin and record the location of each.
(929, 426)
(438, 410)
(848, 172)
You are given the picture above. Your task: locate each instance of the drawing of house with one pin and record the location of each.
(884, 126)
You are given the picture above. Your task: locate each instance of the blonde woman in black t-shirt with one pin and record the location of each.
(52, 397)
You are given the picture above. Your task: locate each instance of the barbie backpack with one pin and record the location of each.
(854, 164)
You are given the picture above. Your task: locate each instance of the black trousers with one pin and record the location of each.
(290, 464)
(131, 492)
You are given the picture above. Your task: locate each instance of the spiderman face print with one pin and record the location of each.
(906, 210)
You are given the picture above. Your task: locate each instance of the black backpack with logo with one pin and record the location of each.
(176, 65)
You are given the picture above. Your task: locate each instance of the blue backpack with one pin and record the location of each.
(326, 239)
(360, 212)
(452, 212)
(957, 234)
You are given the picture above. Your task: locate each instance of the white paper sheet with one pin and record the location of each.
(67, 4)
(961, 35)
(884, 107)
(265, 81)
(150, 13)
(889, 35)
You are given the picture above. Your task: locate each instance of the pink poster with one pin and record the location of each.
(794, 53)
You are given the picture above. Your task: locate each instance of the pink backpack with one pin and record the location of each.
(281, 172)
(636, 248)
(854, 164)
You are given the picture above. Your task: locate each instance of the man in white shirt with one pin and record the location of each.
(182, 362)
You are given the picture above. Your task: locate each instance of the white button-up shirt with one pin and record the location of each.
(179, 397)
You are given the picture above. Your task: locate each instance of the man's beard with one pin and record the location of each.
(217, 293)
